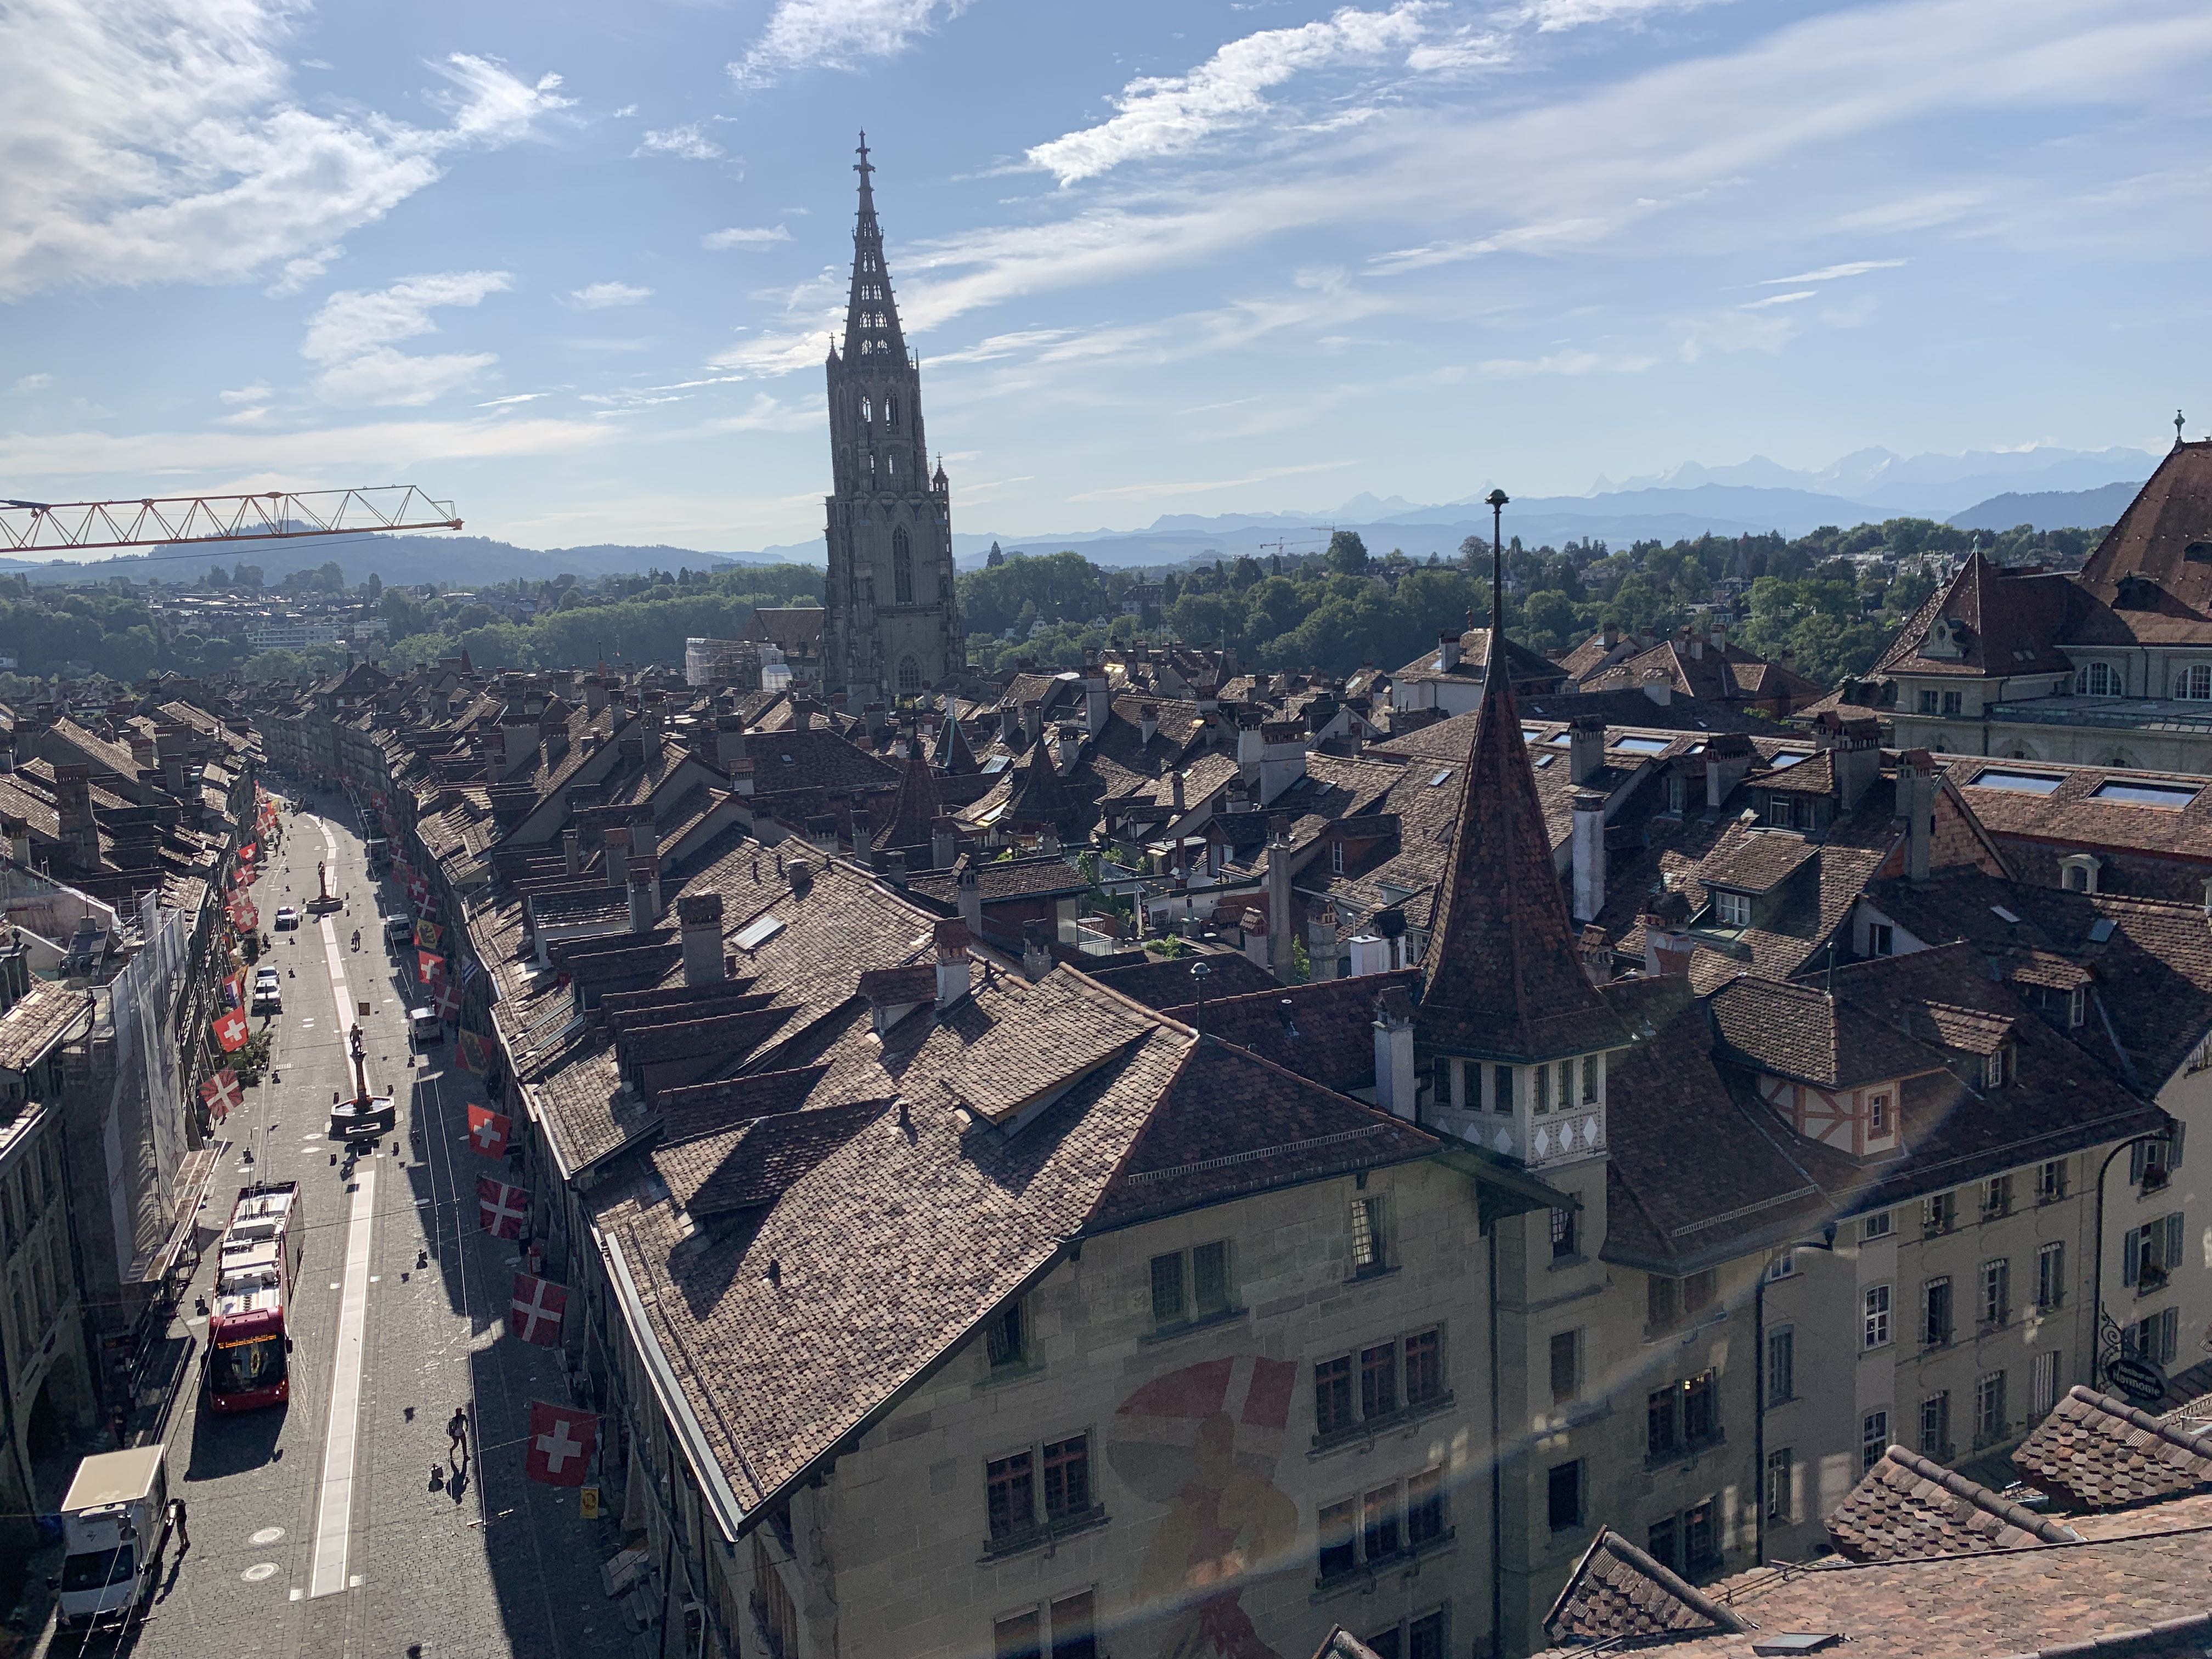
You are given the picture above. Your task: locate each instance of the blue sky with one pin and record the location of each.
(575, 266)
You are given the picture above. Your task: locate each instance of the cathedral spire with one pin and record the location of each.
(871, 324)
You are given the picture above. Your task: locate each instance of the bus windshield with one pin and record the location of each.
(256, 1363)
(97, 1569)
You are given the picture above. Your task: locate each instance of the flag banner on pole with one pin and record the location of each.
(246, 851)
(449, 1004)
(233, 991)
(471, 1053)
(561, 1444)
(430, 967)
(501, 1209)
(221, 1094)
(426, 934)
(488, 1130)
(534, 1312)
(231, 1031)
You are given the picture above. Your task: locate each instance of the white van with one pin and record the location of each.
(424, 1026)
(114, 1522)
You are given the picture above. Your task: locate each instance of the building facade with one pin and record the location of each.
(893, 622)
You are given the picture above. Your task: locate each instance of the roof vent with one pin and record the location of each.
(1795, 1641)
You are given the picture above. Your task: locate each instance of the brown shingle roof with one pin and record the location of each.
(1800, 1032)
(1618, 1593)
(2162, 543)
(1907, 1507)
(37, 1020)
(2099, 1453)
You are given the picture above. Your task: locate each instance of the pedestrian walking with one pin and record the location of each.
(457, 1430)
(177, 1520)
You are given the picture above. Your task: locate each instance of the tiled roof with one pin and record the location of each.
(1324, 1031)
(37, 1020)
(914, 809)
(753, 1163)
(1908, 1507)
(2005, 624)
(1166, 984)
(2159, 543)
(1341, 1643)
(1717, 673)
(1525, 667)
(1618, 1593)
(2072, 815)
(1503, 975)
(1035, 877)
(1755, 860)
(2099, 1453)
(1800, 1032)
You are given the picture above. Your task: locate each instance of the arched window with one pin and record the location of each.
(867, 411)
(891, 464)
(2098, 680)
(909, 674)
(890, 414)
(901, 569)
(2195, 683)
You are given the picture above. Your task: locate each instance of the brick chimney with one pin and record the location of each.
(970, 887)
(615, 842)
(1036, 949)
(80, 836)
(729, 741)
(1585, 747)
(952, 940)
(644, 894)
(699, 916)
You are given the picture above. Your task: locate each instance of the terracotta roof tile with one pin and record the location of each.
(2099, 1453)
(1908, 1507)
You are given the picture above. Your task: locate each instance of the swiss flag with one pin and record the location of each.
(231, 1031)
(221, 1094)
(561, 1444)
(449, 1000)
(431, 966)
(488, 1130)
(502, 1209)
(534, 1312)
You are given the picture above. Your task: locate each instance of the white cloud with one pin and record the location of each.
(513, 398)
(745, 236)
(767, 414)
(598, 296)
(30, 383)
(159, 140)
(624, 113)
(395, 443)
(840, 35)
(1164, 115)
(1553, 15)
(1832, 273)
(351, 336)
(259, 393)
(294, 275)
(1565, 362)
(690, 142)
(1790, 298)
(1265, 475)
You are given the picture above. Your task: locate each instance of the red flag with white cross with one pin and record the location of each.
(488, 1130)
(449, 1000)
(231, 1031)
(534, 1312)
(502, 1209)
(561, 1444)
(221, 1094)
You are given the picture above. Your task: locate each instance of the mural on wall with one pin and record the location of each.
(1204, 1441)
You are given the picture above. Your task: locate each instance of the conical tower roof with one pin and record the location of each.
(952, 755)
(916, 811)
(872, 320)
(1504, 975)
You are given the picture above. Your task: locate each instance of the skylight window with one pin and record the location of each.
(1564, 739)
(2028, 783)
(2100, 930)
(1530, 734)
(1697, 748)
(2171, 797)
(2003, 915)
(1786, 759)
(757, 933)
(1643, 745)
(1440, 777)
(1543, 760)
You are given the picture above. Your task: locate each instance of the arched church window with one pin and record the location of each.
(909, 674)
(902, 567)
(891, 464)
(890, 414)
(2196, 683)
(867, 411)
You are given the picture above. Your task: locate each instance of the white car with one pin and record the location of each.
(287, 917)
(267, 998)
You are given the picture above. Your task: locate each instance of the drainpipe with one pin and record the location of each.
(2097, 1276)
(1497, 1472)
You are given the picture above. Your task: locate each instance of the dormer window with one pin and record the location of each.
(1878, 1117)
(1732, 909)
(1993, 1069)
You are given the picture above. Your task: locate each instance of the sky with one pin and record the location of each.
(576, 267)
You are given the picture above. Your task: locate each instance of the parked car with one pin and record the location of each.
(287, 917)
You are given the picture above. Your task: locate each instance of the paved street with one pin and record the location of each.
(316, 1528)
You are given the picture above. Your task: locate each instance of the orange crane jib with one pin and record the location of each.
(275, 515)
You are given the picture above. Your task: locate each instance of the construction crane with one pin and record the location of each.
(275, 515)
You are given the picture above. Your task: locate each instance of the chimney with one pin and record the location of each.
(1148, 720)
(1658, 687)
(1033, 720)
(1177, 780)
(1666, 936)
(971, 897)
(572, 854)
(1720, 635)
(876, 719)
(142, 754)
(799, 872)
(1396, 1087)
(944, 842)
(700, 916)
(615, 842)
(1728, 758)
(1589, 853)
(644, 894)
(896, 862)
(1321, 945)
(741, 776)
(1448, 650)
(802, 713)
(73, 805)
(644, 836)
(952, 961)
(1397, 949)
(1097, 704)
(1036, 949)
(1585, 747)
(1280, 934)
(1070, 745)
(1258, 949)
(1855, 756)
(729, 742)
(171, 748)
(18, 839)
(1915, 800)
(1611, 634)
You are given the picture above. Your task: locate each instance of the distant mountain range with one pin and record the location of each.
(2048, 487)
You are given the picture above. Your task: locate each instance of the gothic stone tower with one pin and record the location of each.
(894, 624)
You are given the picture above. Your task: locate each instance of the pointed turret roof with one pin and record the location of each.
(953, 755)
(872, 322)
(916, 811)
(1504, 975)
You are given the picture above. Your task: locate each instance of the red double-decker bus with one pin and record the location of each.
(248, 1341)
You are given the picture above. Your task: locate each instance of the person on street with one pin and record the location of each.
(457, 1432)
(177, 1520)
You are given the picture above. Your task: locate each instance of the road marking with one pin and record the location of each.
(260, 1571)
(334, 1513)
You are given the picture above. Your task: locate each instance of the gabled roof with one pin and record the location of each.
(2150, 579)
(2099, 1453)
(1618, 1593)
(1800, 1032)
(915, 811)
(1907, 1508)
(2002, 624)
(1504, 977)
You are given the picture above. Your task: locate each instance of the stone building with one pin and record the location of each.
(893, 623)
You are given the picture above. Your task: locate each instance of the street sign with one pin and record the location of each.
(2140, 1380)
(590, 1501)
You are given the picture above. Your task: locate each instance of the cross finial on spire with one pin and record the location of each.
(2177, 428)
(864, 167)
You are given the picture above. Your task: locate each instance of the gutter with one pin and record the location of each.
(706, 1468)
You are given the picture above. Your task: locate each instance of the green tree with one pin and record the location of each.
(1347, 553)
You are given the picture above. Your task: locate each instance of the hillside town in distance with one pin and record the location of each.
(871, 1138)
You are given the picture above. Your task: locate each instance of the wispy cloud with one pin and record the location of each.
(598, 296)
(689, 142)
(743, 236)
(351, 336)
(1565, 362)
(839, 34)
(160, 142)
(29, 383)
(401, 443)
(1790, 298)
(1553, 15)
(1166, 115)
(1201, 487)
(767, 414)
(1832, 273)
(512, 399)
